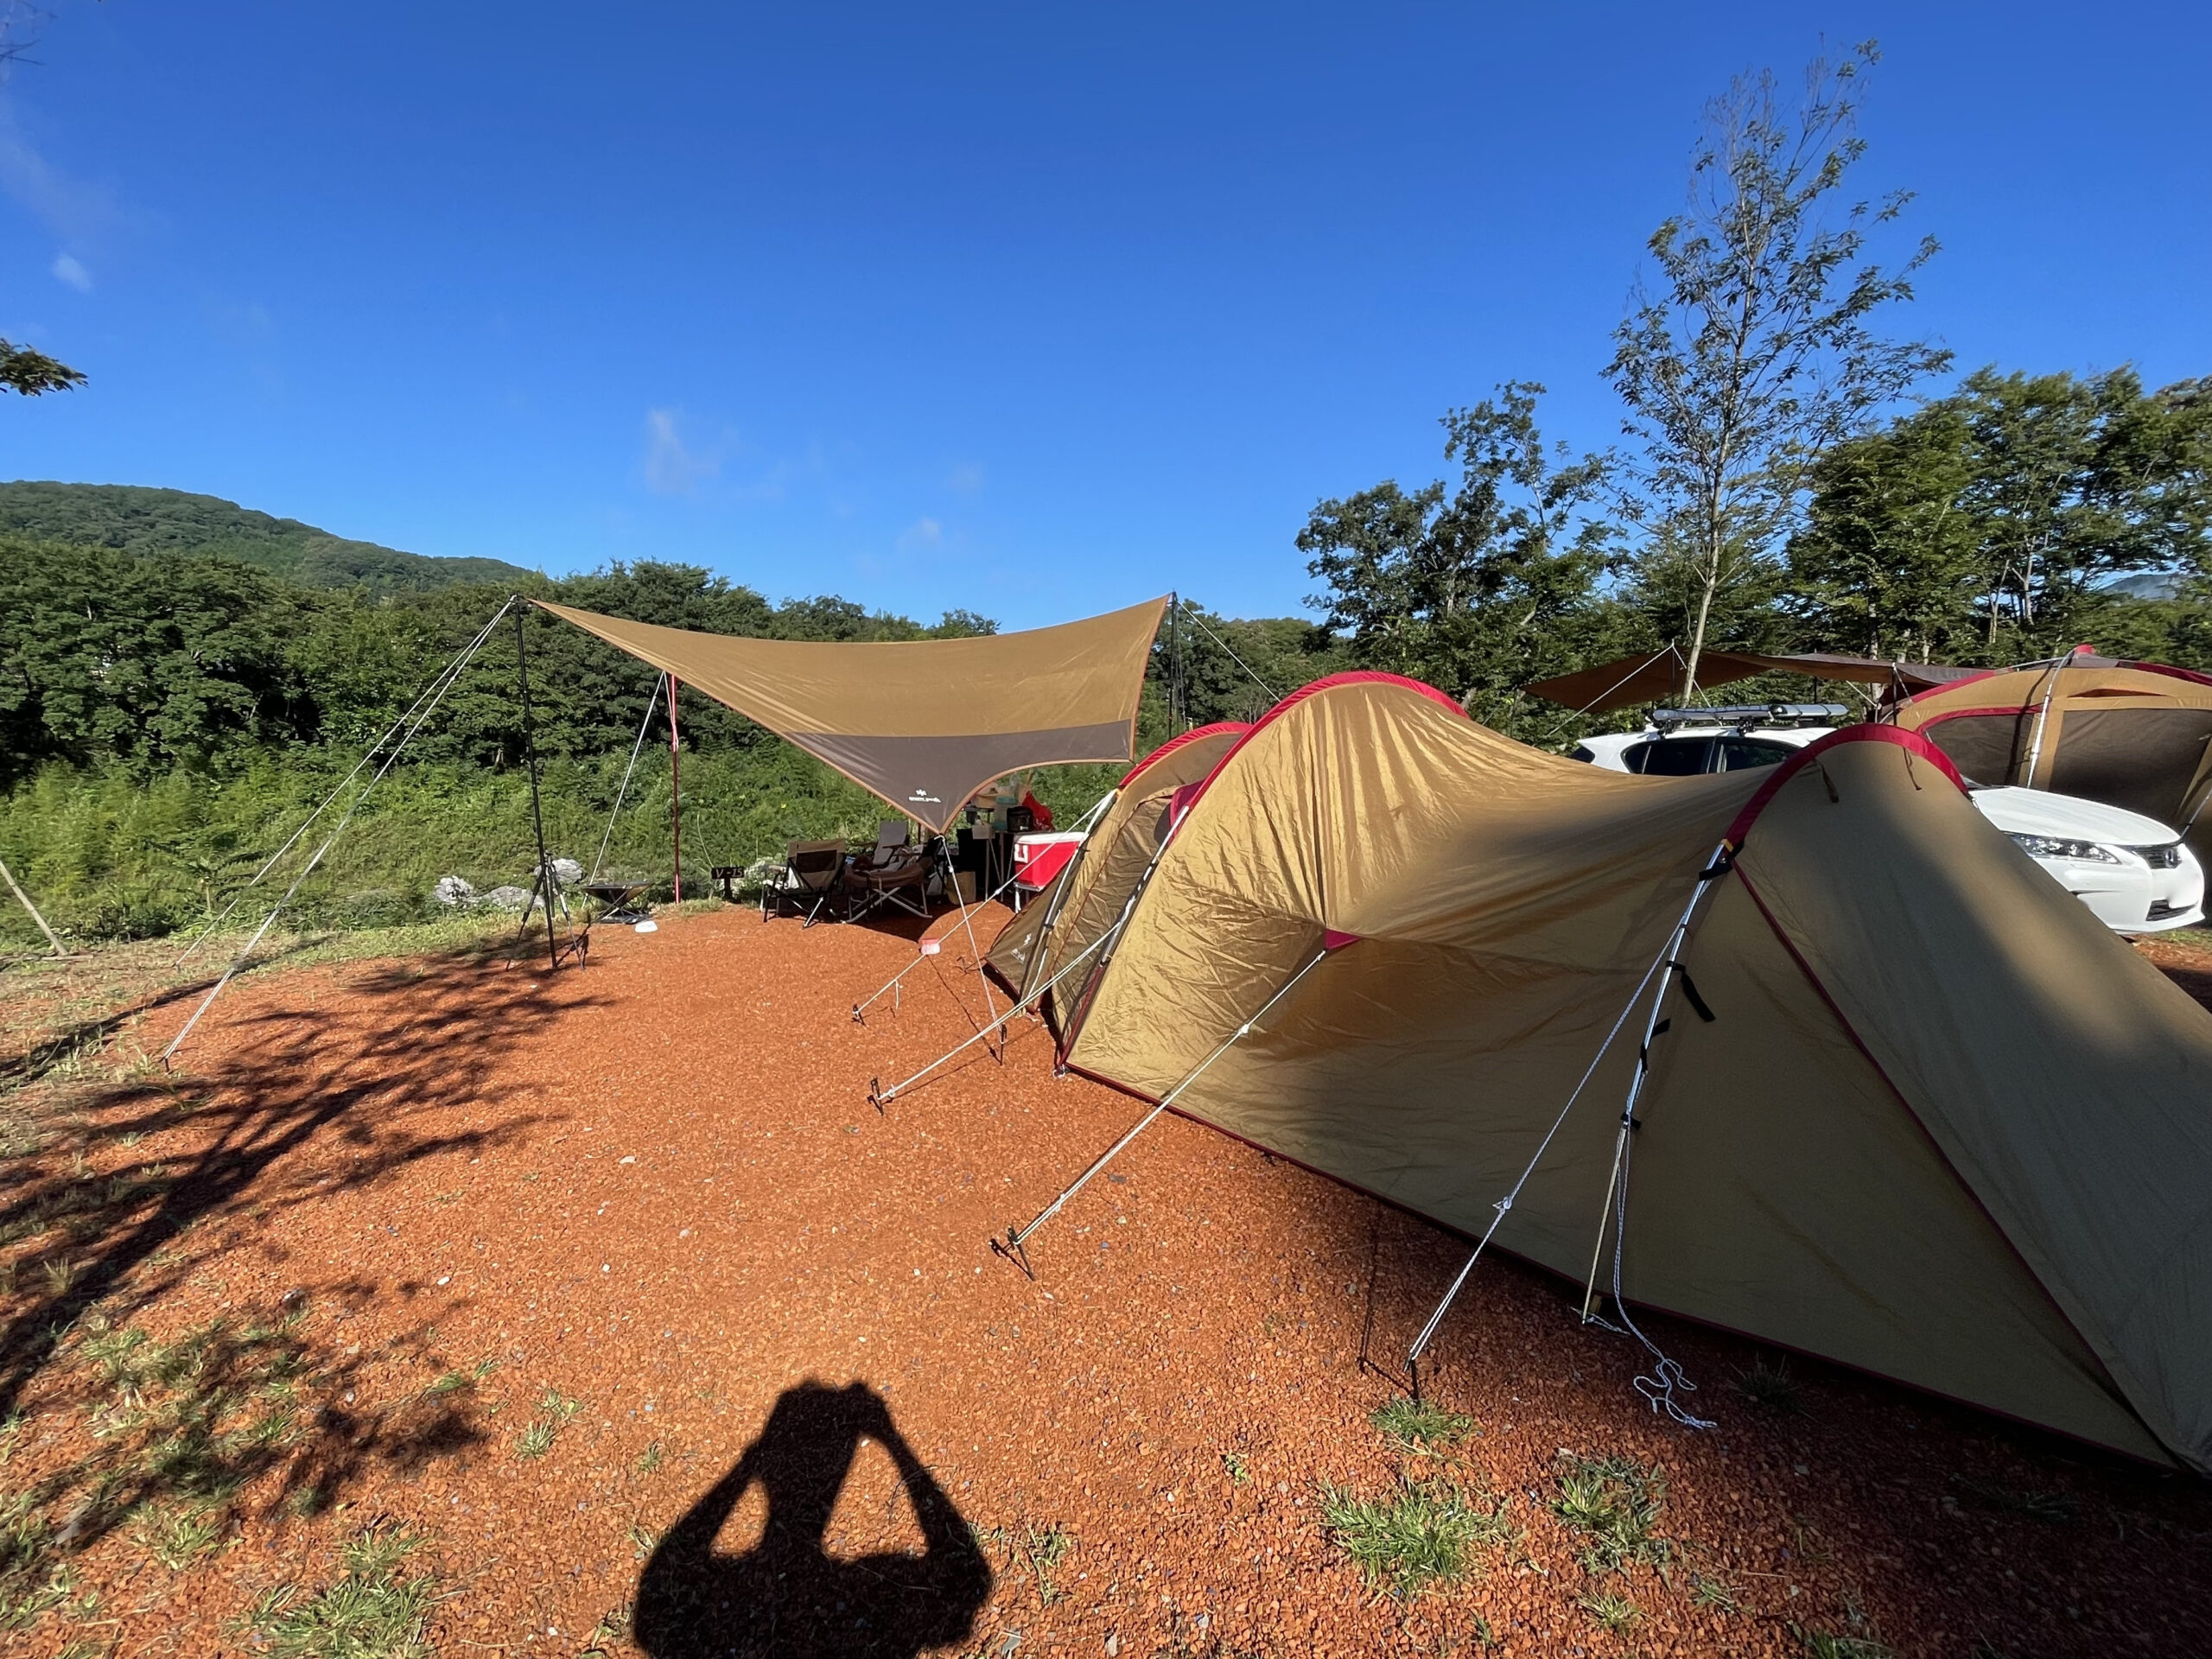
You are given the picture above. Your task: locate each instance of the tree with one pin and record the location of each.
(1757, 355)
(1481, 590)
(1984, 526)
(1890, 561)
(30, 373)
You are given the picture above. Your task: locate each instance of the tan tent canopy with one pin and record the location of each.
(1068, 919)
(1942, 1124)
(1657, 676)
(2137, 735)
(922, 723)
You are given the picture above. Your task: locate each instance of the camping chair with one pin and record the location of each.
(813, 876)
(895, 873)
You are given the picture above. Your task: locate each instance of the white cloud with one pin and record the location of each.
(77, 212)
(967, 478)
(68, 268)
(922, 533)
(672, 468)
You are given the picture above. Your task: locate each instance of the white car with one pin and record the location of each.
(2133, 873)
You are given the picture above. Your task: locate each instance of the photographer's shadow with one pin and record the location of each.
(786, 1598)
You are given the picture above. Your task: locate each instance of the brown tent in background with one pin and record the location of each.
(2130, 735)
(1658, 676)
(922, 723)
(1940, 1123)
(1057, 927)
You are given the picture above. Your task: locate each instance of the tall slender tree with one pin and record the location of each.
(1757, 351)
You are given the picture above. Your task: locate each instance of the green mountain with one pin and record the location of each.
(145, 521)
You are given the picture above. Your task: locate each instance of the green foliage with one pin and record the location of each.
(1979, 528)
(33, 373)
(1418, 1534)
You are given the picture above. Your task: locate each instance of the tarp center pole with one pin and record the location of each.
(544, 882)
(1010, 1247)
(675, 790)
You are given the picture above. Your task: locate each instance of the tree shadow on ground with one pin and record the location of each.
(787, 1598)
(95, 1230)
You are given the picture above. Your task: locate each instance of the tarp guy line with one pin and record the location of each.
(450, 677)
(651, 703)
(367, 755)
(1015, 1238)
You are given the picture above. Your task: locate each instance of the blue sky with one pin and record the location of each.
(1032, 310)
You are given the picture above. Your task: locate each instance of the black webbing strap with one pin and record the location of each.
(1689, 991)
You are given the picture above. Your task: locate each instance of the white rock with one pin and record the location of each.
(452, 892)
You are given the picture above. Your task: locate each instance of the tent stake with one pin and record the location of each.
(24, 898)
(1011, 1246)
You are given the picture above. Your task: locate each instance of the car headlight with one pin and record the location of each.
(2056, 846)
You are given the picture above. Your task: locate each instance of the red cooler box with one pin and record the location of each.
(1038, 858)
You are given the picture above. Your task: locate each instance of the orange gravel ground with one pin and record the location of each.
(655, 1187)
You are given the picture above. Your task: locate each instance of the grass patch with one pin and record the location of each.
(651, 1458)
(1610, 1612)
(2050, 1508)
(1614, 1503)
(1770, 1388)
(554, 1410)
(178, 1538)
(1416, 1425)
(1822, 1644)
(1716, 1593)
(1238, 1471)
(370, 1611)
(1044, 1549)
(1418, 1534)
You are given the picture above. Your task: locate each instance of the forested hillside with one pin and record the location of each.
(134, 520)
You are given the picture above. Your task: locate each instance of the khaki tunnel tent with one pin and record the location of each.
(1939, 1125)
(1072, 917)
(922, 723)
(2130, 735)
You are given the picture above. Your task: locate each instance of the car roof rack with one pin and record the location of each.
(1752, 714)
